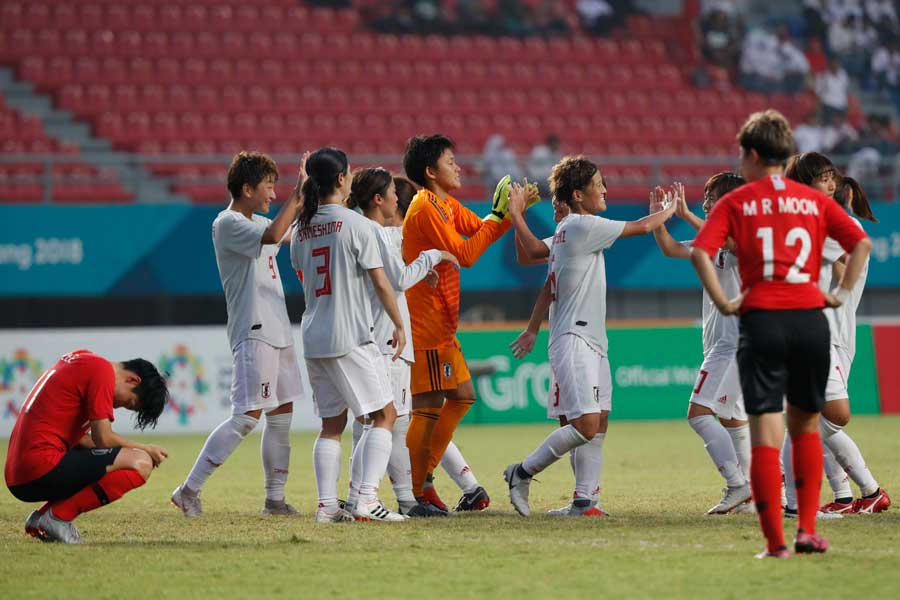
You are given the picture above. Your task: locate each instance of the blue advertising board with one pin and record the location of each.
(167, 249)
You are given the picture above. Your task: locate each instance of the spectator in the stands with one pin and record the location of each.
(794, 66)
(596, 16)
(814, 20)
(886, 69)
(808, 135)
(815, 56)
(499, 160)
(883, 14)
(472, 16)
(541, 161)
(852, 41)
(761, 67)
(550, 18)
(832, 88)
(720, 38)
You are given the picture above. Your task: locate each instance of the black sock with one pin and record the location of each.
(581, 502)
(873, 494)
(844, 500)
(521, 472)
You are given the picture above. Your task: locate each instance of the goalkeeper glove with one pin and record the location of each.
(500, 204)
(533, 194)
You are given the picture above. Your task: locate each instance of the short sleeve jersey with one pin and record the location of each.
(332, 256)
(254, 295)
(577, 273)
(841, 320)
(58, 412)
(402, 277)
(779, 227)
(433, 223)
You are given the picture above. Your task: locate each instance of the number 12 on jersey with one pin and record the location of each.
(795, 235)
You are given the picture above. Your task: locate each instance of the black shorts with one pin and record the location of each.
(77, 469)
(783, 353)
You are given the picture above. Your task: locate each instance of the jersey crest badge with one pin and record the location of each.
(266, 392)
(448, 370)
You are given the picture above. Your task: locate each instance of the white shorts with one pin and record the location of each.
(264, 377)
(553, 406)
(582, 375)
(399, 372)
(718, 387)
(838, 375)
(356, 380)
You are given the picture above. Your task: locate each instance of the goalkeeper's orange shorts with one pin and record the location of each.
(438, 369)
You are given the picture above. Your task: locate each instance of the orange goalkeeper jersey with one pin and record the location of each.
(434, 223)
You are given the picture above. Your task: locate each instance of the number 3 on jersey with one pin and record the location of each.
(324, 269)
(797, 234)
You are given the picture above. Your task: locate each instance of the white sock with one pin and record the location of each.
(554, 447)
(588, 467)
(218, 447)
(356, 474)
(327, 465)
(787, 467)
(376, 447)
(276, 454)
(740, 439)
(837, 476)
(454, 463)
(850, 458)
(720, 448)
(398, 467)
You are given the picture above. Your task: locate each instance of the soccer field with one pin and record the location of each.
(657, 483)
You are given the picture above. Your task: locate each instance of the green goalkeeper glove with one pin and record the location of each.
(533, 194)
(500, 204)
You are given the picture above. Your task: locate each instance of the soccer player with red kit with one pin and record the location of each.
(779, 227)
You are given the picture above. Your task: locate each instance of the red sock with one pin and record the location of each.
(806, 456)
(109, 488)
(765, 481)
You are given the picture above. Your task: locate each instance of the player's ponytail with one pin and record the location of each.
(323, 167)
(853, 195)
(805, 167)
(367, 183)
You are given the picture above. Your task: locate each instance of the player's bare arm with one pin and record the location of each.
(86, 442)
(385, 294)
(529, 249)
(103, 436)
(278, 228)
(524, 344)
(647, 224)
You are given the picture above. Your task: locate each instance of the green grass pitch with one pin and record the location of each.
(657, 482)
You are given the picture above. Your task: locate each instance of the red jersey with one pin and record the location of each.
(779, 227)
(58, 412)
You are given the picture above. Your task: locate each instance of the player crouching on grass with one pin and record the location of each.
(578, 347)
(62, 449)
(716, 409)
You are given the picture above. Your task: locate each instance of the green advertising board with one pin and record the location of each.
(653, 372)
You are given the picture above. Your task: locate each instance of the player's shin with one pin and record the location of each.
(109, 488)
(787, 465)
(398, 466)
(765, 480)
(376, 452)
(848, 456)
(554, 447)
(719, 447)
(418, 440)
(451, 414)
(837, 478)
(276, 454)
(588, 466)
(807, 462)
(327, 466)
(218, 447)
(454, 463)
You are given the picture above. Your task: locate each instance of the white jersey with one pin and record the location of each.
(548, 241)
(720, 333)
(841, 320)
(333, 254)
(577, 275)
(402, 277)
(254, 296)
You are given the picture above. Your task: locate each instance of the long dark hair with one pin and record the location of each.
(366, 184)
(859, 202)
(406, 190)
(323, 167)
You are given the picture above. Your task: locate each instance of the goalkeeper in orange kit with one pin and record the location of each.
(442, 390)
